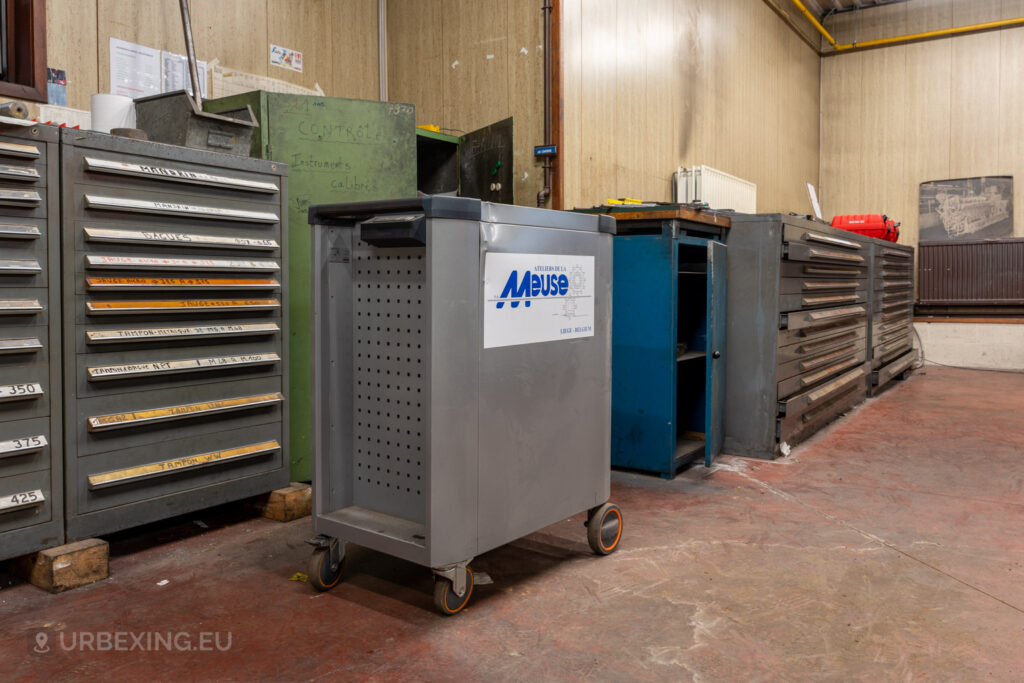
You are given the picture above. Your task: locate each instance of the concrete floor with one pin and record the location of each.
(890, 547)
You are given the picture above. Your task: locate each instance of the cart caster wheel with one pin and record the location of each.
(445, 599)
(320, 574)
(604, 528)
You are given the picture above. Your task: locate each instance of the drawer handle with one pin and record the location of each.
(93, 201)
(897, 253)
(184, 239)
(837, 313)
(19, 306)
(153, 263)
(22, 446)
(837, 255)
(826, 390)
(19, 232)
(815, 363)
(18, 172)
(127, 284)
(889, 348)
(839, 299)
(812, 346)
(19, 392)
(199, 305)
(827, 372)
(14, 149)
(186, 464)
(178, 175)
(146, 334)
(817, 411)
(20, 501)
(98, 373)
(834, 241)
(20, 197)
(831, 270)
(136, 418)
(19, 266)
(829, 284)
(20, 345)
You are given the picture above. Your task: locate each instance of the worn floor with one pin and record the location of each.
(890, 547)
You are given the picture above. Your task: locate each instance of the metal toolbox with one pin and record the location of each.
(31, 467)
(891, 325)
(462, 381)
(175, 337)
(799, 301)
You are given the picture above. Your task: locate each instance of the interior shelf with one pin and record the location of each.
(690, 355)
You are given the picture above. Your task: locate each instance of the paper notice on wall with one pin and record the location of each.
(134, 69)
(530, 298)
(285, 58)
(177, 77)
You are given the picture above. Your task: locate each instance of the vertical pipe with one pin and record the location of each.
(382, 47)
(190, 50)
(545, 192)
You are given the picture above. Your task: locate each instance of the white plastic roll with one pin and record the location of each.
(112, 111)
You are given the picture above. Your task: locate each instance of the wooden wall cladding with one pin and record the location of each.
(654, 85)
(469, 63)
(897, 116)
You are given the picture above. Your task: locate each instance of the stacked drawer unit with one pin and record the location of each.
(797, 328)
(31, 481)
(892, 312)
(175, 337)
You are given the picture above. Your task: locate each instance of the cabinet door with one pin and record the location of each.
(485, 163)
(715, 391)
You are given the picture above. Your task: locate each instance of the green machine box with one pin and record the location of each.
(336, 150)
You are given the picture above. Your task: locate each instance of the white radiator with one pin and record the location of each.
(717, 189)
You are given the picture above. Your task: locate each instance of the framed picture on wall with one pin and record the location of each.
(966, 209)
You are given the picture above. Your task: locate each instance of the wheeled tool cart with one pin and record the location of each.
(462, 381)
(31, 482)
(668, 336)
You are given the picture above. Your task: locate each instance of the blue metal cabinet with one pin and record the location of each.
(668, 344)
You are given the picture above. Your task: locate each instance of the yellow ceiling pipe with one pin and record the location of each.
(841, 47)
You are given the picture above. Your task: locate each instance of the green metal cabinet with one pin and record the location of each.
(337, 150)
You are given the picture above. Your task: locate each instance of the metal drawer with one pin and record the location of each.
(19, 150)
(24, 344)
(25, 500)
(895, 254)
(886, 351)
(796, 302)
(788, 338)
(805, 347)
(15, 174)
(24, 446)
(823, 407)
(817, 376)
(795, 269)
(889, 371)
(801, 244)
(821, 318)
(23, 202)
(816, 285)
(820, 358)
(799, 404)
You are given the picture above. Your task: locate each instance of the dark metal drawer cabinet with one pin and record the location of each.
(175, 336)
(31, 465)
(892, 309)
(799, 303)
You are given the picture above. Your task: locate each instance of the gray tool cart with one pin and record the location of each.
(462, 381)
(31, 483)
(174, 335)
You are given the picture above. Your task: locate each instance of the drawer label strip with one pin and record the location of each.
(19, 231)
(830, 284)
(171, 333)
(20, 501)
(14, 149)
(201, 305)
(837, 255)
(835, 299)
(10, 172)
(19, 306)
(188, 463)
(20, 345)
(149, 262)
(94, 201)
(19, 392)
(99, 373)
(120, 284)
(19, 266)
(137, 418)
(177, 175)
(176, 239)
(20, 197)
(22, 446)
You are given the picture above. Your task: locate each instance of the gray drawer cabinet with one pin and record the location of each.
(892, 312)
(799, 300)
(31, 466)
(175, 336)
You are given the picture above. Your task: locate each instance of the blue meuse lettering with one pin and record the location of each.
(532, 286)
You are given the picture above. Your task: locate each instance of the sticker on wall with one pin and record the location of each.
(285, 58)
(530, 298)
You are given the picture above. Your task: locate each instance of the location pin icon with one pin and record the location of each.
(41, 639)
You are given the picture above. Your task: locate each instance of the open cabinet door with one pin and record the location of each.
(715, 390)
(485, 163)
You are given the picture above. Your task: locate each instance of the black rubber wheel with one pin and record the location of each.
(604, 528)
(445, 599)
(320, 575)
